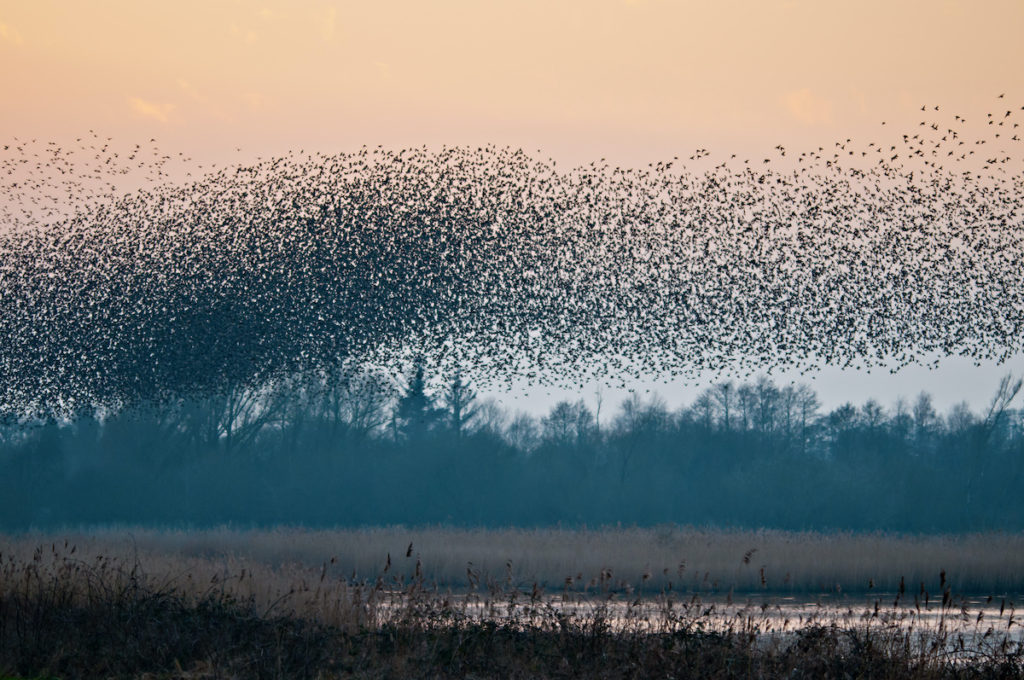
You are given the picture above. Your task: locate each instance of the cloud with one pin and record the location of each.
(192, 92)
(9, 34)
(204, 102)
(159, 112)
(808, 108)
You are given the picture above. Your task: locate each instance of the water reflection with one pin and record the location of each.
(959, 628)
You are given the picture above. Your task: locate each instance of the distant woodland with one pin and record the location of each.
(363, 449)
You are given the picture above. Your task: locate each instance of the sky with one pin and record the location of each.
(632, 81)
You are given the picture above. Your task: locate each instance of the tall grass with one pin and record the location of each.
(77, 613)
(688, 559)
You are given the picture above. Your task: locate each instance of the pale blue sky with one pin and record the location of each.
(954, 380)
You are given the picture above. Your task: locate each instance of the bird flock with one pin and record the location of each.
(500, 264)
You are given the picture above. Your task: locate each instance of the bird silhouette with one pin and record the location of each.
(497, 262)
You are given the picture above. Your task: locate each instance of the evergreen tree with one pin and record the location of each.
(416, 414)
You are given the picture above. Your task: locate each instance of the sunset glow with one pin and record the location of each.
(633, 81)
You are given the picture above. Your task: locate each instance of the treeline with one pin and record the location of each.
(362, 449)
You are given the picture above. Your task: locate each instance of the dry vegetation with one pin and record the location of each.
(695, 560)
(548, 603)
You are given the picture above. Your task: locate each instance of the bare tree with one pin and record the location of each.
(569, 424)
(807, 407)
(704, 409)
(960, 419)
(231, 420)
(459, 400)
(523, 433)
(490, 417)
(985, 432)
(1005, 394)
(786, 412)
(767, 405)
(872, 416)
(924, 418)
(746, 402)
(901, 422)
(354, 404)
(724, 396)
(635, 423)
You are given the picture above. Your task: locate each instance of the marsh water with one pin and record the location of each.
(960, 626)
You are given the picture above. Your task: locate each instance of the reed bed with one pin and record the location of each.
(71, 613)
(685, 558)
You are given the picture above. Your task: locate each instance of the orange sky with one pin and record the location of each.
(633, 80)
(630, 80)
